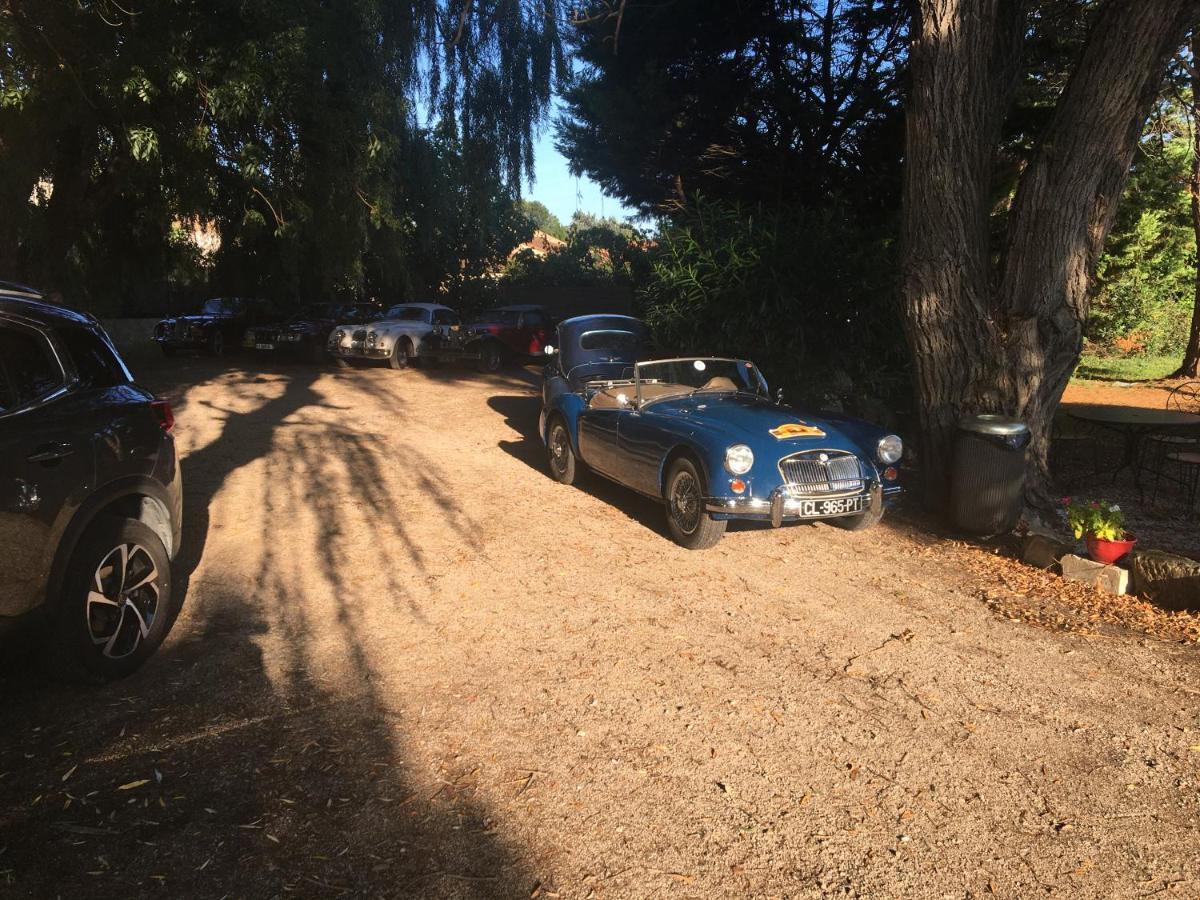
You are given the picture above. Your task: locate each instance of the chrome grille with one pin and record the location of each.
(360, 335)
(821, 472)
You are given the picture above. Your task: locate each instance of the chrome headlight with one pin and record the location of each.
(371, 338)
(738, 459)
(337, 337)
(889, 449)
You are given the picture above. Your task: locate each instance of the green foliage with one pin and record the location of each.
(1147, 275)
(1097, 518)
(291, 125)
(543, 220)
(804, 293)
(598, 251)
(767, 102)
(1120, 367)
(767, 135)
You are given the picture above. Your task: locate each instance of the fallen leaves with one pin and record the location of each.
(1024, 594)
(133, 785)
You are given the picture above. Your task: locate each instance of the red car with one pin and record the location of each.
(509, 333)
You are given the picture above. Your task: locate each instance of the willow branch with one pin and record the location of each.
(278, 218)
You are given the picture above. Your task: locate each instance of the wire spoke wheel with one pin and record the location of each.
(489, 358)
(685, 502)
(688, 520)
(559, 448)
(560, 455)
(123, 600)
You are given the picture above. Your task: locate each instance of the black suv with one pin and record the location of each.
(90, 496)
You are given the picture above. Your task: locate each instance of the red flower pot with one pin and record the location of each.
(1108, 552)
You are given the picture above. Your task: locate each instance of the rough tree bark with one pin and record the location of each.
(1002, 332)
(1191, 357)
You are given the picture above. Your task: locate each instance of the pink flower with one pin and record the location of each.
(1066, 501)
(1095, 505)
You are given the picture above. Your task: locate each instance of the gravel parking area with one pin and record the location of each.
(410, 664)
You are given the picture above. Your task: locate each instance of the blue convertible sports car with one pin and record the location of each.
(704, 437)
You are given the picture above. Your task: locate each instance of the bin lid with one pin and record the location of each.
(990, 423)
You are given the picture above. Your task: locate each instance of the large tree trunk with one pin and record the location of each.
(1191, 357)
(962, 63)
(1005, 338)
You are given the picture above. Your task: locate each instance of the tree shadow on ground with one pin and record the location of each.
(223, 768)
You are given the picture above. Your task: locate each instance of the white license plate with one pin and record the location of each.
(816, 509)
(264, 346)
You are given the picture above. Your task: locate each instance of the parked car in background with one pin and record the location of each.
(90, 498)
(219, 325)
(305, 334)
(509, 333)
(703, 436)
(405, 333)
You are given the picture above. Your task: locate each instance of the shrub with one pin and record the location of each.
(806, 294)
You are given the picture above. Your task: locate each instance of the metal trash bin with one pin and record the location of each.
(987, 480)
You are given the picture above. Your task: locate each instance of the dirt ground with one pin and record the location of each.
(1150, 394)
(410, 664)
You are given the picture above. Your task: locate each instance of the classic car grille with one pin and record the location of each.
(360, 335)
(822, 472)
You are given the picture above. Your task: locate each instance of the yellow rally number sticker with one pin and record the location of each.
(796, 429)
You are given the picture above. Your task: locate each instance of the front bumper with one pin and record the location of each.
(358, 350)
(275, 345)
(782, 506)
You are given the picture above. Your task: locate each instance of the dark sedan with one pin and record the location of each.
(305, 334)
(219, 325)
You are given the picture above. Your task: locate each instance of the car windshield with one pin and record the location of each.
(611, 343)
(408, 314)
(219, 306)
(498, 317)
(676, 377)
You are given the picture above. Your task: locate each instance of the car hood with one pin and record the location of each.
(393, 324)
(748, 419)
(198, 319)
(302, 326)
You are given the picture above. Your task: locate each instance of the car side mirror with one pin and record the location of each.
(549, 350)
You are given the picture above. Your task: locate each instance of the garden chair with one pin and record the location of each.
(1185, 397)
(1180, 452)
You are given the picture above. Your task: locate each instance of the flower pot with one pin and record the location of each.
(1108, 552)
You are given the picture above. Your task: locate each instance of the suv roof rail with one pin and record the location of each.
(21, 290)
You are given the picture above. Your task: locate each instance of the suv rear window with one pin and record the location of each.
(95, 363)
(28, 368)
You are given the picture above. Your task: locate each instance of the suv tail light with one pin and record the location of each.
(166, 418)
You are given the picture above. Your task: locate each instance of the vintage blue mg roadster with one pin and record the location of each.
(703, 436)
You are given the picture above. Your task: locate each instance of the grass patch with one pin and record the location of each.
(1126, 368)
